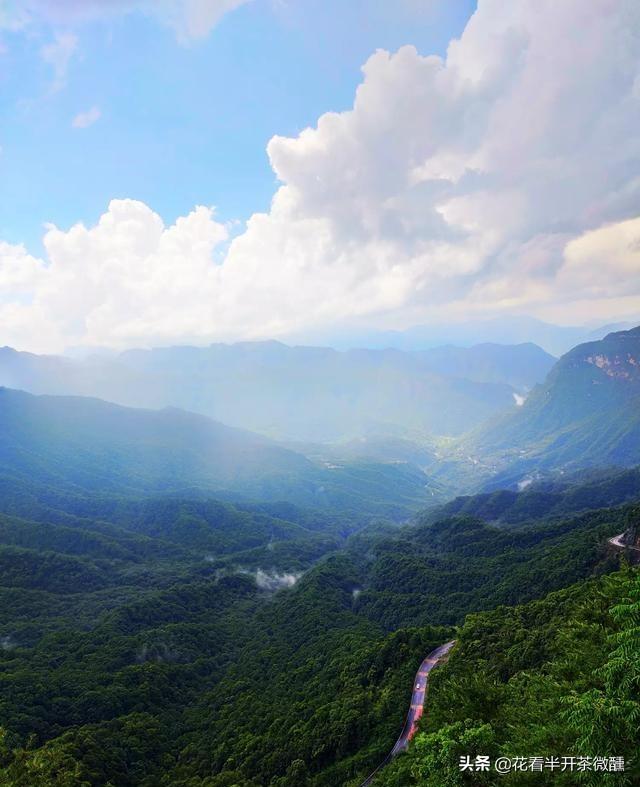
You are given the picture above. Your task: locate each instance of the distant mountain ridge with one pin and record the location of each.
(372, 409)
(520, 365)
(90, 446)
(299, 393)
(586, 413)
(509, 329)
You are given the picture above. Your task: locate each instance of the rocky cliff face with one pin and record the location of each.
(614, 358)
(619, 367)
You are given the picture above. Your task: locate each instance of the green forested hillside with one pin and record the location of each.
(92, 448)
(188, 643)
(555, 677)
(557, 496)
(585, 414)
(298, 486)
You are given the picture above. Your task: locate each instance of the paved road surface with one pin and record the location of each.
(416, 708)
(616, 541)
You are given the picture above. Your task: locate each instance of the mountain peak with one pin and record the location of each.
(617, 355)
(632, 333)
(585, 413)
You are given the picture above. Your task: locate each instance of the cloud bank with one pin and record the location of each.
(502, 178)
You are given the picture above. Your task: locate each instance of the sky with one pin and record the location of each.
(187, 171)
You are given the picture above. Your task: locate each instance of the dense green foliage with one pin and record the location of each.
(555, 677)
(586, 414)
(438, 573)
(143, 643)
(550, 499)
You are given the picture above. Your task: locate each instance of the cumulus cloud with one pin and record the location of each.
(604, 262)
(86, 119)
(503, 177)
(125, 278)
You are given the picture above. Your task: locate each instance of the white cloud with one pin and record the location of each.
(194, 19)
(454, 185)
(604, 262)
(19, 272)
(58, 55)
(86, 119)
(273, 581)
(129, 276)
(504, 177)
(191, 19)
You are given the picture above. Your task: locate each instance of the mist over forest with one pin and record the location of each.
(191, 602)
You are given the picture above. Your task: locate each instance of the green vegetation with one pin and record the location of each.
(586, 414)
(142, 643)
(550, 499)
(187, 605)
(559, 676)
(72, 446)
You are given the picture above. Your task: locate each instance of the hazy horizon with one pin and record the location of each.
(555, 339)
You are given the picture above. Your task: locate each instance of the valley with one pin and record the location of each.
(154, 562)
(319, 393)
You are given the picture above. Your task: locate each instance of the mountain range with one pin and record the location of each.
(85, 445)
(422, 422)
(300, 393)
(512, 329)
(153, 562)
(585, 414)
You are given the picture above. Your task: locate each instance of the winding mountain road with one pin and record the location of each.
(616, 541)
(416, 708)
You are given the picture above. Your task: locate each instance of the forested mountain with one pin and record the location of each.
(554, 497)
(86, 444)
(585, 414)
(95, 445)
(300, 393)
(145, 641)
(300, 483)
(187, 604)
(557, 677)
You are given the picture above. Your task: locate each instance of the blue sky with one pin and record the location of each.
(189, 171)
(184, 123)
